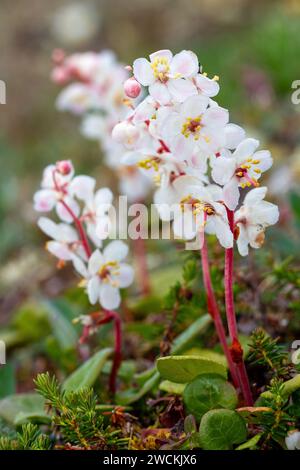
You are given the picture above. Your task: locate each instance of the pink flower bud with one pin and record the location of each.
(132, 88)
(64, 167)
(58, 56)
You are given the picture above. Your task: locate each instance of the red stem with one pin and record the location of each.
(236, 349)
(215, 313)
(118, 352)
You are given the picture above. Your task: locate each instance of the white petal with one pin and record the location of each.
(234, 134)
(162, 53)
(223, 232)
(231, 194)
(82, 187)
(103, 196)
(159, 91)
(126, 275)
(95, 262)
(266, 161)
(60, 250)
(215, 117)
(93, 289)
(242, 241)
(115, 251)
(184, 63)
(246, 149)
(49, 227)
(265, 213)
(255, 195)
(109, 297)
(223, 169)
(44, 200)
(80, 267)
(194, 106)
(143, 72)
(207, 86)
(180, 89)
(292, 440)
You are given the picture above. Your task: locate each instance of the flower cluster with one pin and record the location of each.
(84, 220)
(200, 161)
(95, 91)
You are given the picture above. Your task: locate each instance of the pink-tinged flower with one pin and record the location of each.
(106, 274)
(195, 126)
(167, 76)
(55, 194)
(251, 220)
(241, 169)
(199, 211)
(65, 243)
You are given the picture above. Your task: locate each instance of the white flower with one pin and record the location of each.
(55, 194)
(292, 441)
(252, 219)
(65, 244)
(199, 211)
(195, 127)
(242, 169)
(105, 274)
(77, 98)
(168, 76)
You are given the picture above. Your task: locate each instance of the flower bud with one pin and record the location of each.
(125, 133)
(60, 75)
(64, 167)
(132, 88)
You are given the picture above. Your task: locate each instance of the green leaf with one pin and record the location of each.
(208, 392)
(221, 429)
(208, 354)
(7, 380)
(172, 387)
(132, 395)
(183, 369)
(251, 443)
(63, 329)
(86, 375)
(200, 325)
(29, 404)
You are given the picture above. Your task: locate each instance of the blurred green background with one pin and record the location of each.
(252, 45)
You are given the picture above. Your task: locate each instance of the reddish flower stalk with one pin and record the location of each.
(213, 309)
(141, 259)
(81, 231)
(118, 352)
(236, 348)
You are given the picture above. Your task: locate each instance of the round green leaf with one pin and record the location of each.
(25, 406)
(208, 392)
(221, 429)
(183, 369)
(172, 387)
